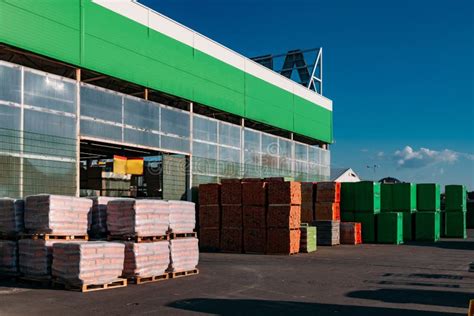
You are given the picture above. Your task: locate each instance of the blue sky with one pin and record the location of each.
(400, 74)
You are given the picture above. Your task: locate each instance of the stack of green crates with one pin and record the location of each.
(390, 228)
(427, 227)
(347, 201)
(366, 208)
(401, 197)
(455, 223)
(308, 238)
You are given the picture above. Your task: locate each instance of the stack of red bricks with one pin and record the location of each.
(254, 200)
(209, 216)
(232, 217)
(351, 233)
(328, 201)
(283, 217)
(307, 202)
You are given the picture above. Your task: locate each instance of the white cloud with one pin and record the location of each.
(410, 158)
(380, 154)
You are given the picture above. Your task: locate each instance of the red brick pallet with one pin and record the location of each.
(182, 235)
(144, 280)
(138, 238)
(174, 275)
(54, 237)
(90, 287)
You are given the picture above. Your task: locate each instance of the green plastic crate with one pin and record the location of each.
(347, 216)
(386, 197)
(455, 198)
(367, 197)
(428, 197)
(404, 197)
(408, 225)
(390, 228)
(348, 196)
(369, 226)
(427, 226)
(455, 226)
(470, 214)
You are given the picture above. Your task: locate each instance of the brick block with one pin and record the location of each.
(351, 233)
(254, 216)
(328, 192)
(307, 214)
(284, 216)
(209, 216)
(283, 241)
(231, 193)
(231, 240)
(307, 193)
(255, 240)
(209, 194)
(209, 239)
(232, 216)
(254, 193)
(327, 211)
(284, 193)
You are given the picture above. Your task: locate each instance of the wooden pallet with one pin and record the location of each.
(174, 275)
(182, 235)
(90, 287)
(138, 238)
(55, 237)
(143, 280)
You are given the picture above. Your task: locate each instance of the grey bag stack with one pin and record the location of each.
(328, 232)
(11, 216)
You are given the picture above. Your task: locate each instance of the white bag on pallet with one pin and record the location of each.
(182, 216)
(146, 259)
(93, 262)
(137, 217)
(184, 254)
(11, 216)
(57, 214)
(98, 214)
(8, 257)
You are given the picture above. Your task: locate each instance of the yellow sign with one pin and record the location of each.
(120, 165)
(135, 166)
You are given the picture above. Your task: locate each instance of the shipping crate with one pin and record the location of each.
(209, 194)
(428, 197)
(455, 225)
(369, 226)
(308, 241)
(404, 197)
(427, 226)
(456, 198)
(348, 196)
(390, 228)
(367, 197)
(408, 225)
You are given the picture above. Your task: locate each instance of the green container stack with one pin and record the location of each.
(347, 201)
(308, 238)
(390, 228)
(366, 207)
(455, 221)
(386, 197)
(428, 217)
(369, 226)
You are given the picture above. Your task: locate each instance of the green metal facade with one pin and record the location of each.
(90, 36)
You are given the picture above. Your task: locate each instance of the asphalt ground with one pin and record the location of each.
(371, 279)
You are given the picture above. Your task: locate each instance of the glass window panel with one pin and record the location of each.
(229, 135)
(100, 130)
(141, 138)
(58, 125)
(204, 129)
(269, 145)
(10, 84)
(252, 158)
(285, 147)
(175, 122)
(175, 143)
(142, 114)
(301, 152)
(252, 140)
(9, 117)
(51, 93)
(205, 150)
(285, 166)
(53, 177)
(204, 166)
(101, 104)
(325, 157)
(314, 154)
(229, 154)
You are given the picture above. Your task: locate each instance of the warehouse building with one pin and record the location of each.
(84, 81)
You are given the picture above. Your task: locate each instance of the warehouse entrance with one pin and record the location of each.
(124, 171)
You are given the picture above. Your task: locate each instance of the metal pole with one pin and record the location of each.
(78, 127)
(190, 167)
(22, 132)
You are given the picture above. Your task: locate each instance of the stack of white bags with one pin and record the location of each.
(93, 262)
(11, 216)
(146, 259)
(182, 216)
(56, 214)
(184, 254)
(137, 217)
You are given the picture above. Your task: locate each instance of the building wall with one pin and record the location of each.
(126, 40)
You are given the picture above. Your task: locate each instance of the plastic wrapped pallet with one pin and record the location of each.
(98, 215)
(11, 216)
(328, 192)
(93, 262)
(57, 214)
(283, 241)
(36, 255)
(351, 233)
(308, 238)
(182, 217)
(8, 257)
(137, 217)
(146, 259)
(184, 254)
(328, 232)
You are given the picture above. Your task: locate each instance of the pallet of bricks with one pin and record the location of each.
(159, 238)
(209, 219)
(60, 222)
(11, 226)
(327, 213)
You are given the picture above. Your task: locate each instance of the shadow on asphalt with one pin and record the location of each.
(265, 307)
(445, 244)
(412, 296)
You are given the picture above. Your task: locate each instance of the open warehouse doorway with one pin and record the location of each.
(124, 171)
